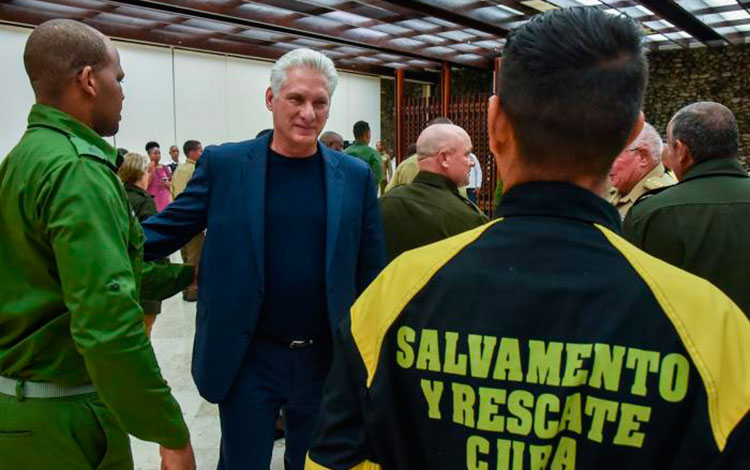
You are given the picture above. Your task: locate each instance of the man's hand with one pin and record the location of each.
(177, 459)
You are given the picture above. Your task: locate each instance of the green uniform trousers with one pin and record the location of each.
(68, 433)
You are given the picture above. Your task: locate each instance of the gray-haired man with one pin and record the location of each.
(294, 235)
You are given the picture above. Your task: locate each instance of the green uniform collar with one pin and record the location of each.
(83, 138)
(715, 167)
(435, 179)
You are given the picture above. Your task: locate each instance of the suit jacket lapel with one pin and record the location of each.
(254, 178)
(334, 179)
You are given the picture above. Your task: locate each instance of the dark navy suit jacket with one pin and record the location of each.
(227, 196)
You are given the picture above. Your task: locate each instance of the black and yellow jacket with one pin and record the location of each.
(542, 340)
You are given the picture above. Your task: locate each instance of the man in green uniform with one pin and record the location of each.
(77, 372)
(362, 150)
(637, 170)
(430, 208)
(702, 224)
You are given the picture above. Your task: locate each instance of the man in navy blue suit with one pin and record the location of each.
(294, 236)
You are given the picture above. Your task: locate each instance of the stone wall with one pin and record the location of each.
(387, 109)
(682, 77)
(677, 79)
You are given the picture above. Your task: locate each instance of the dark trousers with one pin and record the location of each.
(272, 377)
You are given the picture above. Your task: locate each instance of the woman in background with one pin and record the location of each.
(159, 183)
(134, 173)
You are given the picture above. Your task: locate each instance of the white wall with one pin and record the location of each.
(172, 96)
(148, 109)
(16, 95)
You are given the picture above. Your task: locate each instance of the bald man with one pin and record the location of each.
(702, 224)
(332, 140)
(431, 208)
(637, 170)
(77, 372)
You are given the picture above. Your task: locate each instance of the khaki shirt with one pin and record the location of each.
(654, 179)
(182, 176)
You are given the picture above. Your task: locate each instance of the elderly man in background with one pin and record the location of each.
(702, 224)
(431, 208)
(332, 140)
(77, 372)
(191, 252)
(275, 277)
(637, 170)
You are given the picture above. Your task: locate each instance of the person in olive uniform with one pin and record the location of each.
(362, 150)
(77, 372)
(431, 208)
(702, 224)
(191, 252)
(637, 170)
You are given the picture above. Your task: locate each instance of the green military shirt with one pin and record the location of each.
(370, 156)
(405, 173)
(71, 263)
(425, 211)
(702, 225)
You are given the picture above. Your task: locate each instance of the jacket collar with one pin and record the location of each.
(86, 141)
(715, 167)
(255, 196)
(134, 188)
(558, 199)
(435, 179)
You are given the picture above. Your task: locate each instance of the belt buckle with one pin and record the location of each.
(300, 343)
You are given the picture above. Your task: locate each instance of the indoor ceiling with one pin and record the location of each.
(376, 36)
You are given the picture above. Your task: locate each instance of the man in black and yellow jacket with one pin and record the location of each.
(574, 349)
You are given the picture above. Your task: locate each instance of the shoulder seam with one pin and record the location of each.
(369, 345)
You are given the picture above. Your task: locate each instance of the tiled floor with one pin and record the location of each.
(172, 338)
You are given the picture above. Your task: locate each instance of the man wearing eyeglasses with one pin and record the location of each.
(637, 170)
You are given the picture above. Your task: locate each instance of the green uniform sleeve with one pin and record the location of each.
(163, 280)
(376, 164)
(87, 222)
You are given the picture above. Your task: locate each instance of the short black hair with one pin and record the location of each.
(57, 50)
(571, 82)
(189, 146)
(360, 127)
(121, 152)
(152, 144)
(708, 129)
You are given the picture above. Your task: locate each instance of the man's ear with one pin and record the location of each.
(86, 81)
(498, 126)
(684, 155)
(269, 99)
